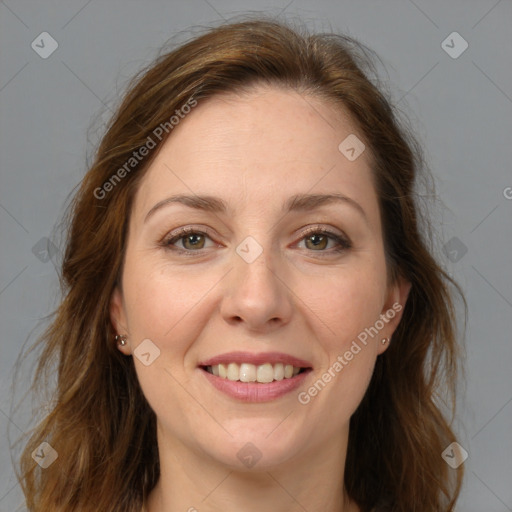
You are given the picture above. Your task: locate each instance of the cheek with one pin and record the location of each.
(160, 300)
(167, 307)
(349, 302)
(347, 313)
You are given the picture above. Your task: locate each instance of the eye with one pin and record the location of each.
(191, 239)
(317, 239)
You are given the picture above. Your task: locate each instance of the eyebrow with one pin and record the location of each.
(298, 202)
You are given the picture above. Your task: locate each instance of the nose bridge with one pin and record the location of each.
(256, 293)
(256, 268)
(256, 265)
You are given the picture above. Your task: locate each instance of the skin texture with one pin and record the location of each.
(254, 151)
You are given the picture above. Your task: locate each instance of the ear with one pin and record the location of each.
(393, 309)
(118, 318)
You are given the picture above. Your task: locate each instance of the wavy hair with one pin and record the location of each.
(100, 422)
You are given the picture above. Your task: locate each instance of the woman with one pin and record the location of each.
(252, 317)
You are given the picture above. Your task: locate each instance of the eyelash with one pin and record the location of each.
(344, 243)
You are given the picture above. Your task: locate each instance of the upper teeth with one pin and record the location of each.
(246, 372)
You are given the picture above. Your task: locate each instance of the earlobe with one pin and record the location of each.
(393, 310)
(117, 313)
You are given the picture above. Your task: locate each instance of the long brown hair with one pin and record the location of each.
(100, 423)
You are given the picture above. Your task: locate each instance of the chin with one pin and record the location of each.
(256, 445)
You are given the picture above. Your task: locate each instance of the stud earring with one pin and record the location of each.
(384, 340)
(121, 339)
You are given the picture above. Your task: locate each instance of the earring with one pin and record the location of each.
(121, 339)
(384, 340)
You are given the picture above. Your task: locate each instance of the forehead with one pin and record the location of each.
(264, 145)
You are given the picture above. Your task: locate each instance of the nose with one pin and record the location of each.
(257, 295)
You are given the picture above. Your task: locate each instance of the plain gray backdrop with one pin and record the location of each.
(459, 101)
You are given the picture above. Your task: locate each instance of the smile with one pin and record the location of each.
(250, 377)
(247, 372)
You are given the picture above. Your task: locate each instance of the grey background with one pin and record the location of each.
(51, 115)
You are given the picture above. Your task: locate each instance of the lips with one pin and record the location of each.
(255, 377)
(256, 359)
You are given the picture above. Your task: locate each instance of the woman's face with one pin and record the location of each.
(255, 285)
